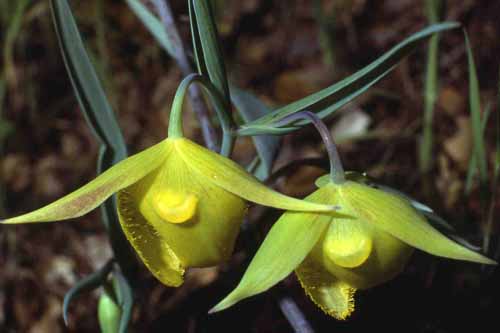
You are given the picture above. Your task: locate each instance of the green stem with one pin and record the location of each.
(336, 169)
(175, 122)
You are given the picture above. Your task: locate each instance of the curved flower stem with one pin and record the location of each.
(175, 122)
(180, 56)
(336, 169)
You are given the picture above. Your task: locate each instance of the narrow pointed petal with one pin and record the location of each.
(289, 241)
(154, 252)
(333, 296)
(91, 195)
(397, 217)
(233, 178)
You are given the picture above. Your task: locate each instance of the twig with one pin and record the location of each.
(180, 56)
(295, 317)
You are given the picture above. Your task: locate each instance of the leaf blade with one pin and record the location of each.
(88, 89)
(475, 112)
(154, 25)
(251, 108)
(210, 46)
(330, 99)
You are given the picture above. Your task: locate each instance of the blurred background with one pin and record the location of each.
(281, 51)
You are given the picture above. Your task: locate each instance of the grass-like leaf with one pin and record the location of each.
(87, 284)
(153, 25)
(475, 112)
(250, 108)
(207, 45)
(330, 99)
(88, 89)
(100, 117)
(472, 167)
(430, 88)
(12, 31)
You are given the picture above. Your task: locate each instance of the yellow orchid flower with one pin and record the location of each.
(333, 257)
(180, 205)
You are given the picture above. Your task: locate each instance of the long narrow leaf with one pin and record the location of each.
(430, 89)
(210, 46)
(88, 89)
(195, 36)
(251, 108)
(475, 112)
(87, 284)
(153, 24)
(98, 113)
(472, 167)
(12, 31)
(330, 99)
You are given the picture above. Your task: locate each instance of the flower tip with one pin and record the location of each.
(222, 305)
(488, 261)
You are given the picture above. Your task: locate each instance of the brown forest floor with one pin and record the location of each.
(271, 48)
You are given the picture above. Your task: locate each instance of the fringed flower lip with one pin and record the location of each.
(180, 205)
(333, 257)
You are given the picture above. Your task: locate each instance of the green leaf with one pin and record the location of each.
(91, 195)
(13, 29)
(251, 108)
(207, 45)
(472, 167)
(195, 36)
(125, 298)
(89, 92)
(430, 89)
(87, 284)
(154, 25)
(330, 99)
(475, 112)
(288, 243)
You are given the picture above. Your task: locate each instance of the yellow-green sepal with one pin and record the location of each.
(233, 178)
(91, 195)
(396, 216)
(289, 241)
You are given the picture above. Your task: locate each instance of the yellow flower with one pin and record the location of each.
(180, 205)
(333, 257)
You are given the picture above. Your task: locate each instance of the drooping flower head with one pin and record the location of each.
(180, 205)
(334, 256)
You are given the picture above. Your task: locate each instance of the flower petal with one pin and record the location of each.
(233, 178)
(348, 242)
(91, 195)
(208, 236)
(333, 296)
(154, 252)
(289, 241)
(397, 217)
